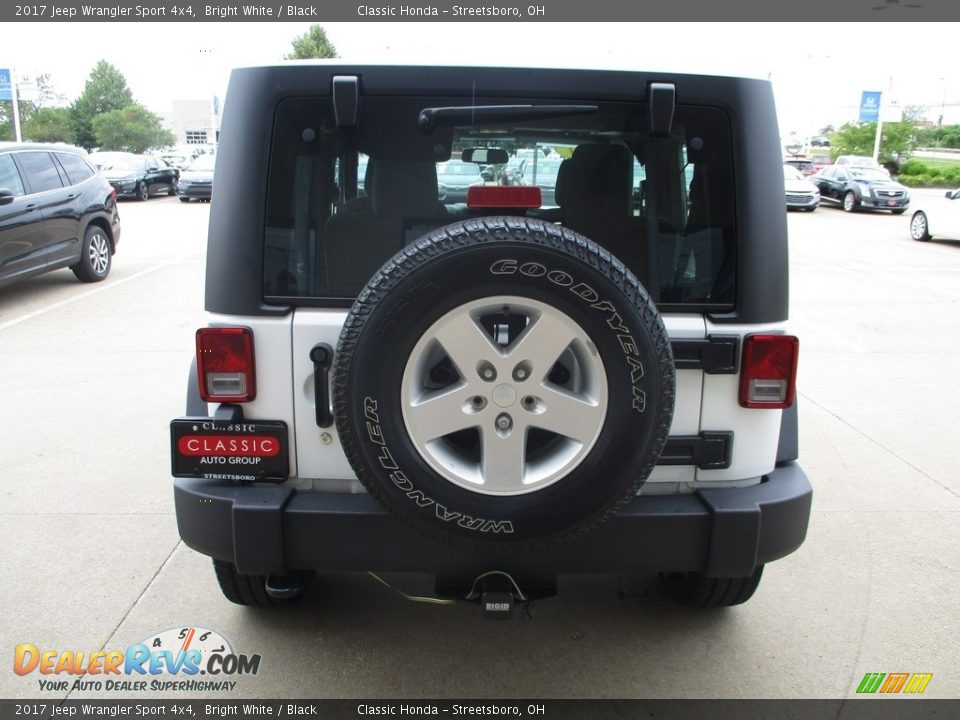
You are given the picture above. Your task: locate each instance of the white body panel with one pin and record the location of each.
(686, 411)
(285, 391)
(756, 433)
(272, 370)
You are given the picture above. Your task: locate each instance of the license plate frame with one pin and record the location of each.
(244, 450)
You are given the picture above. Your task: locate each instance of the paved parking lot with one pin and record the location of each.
(91, 375)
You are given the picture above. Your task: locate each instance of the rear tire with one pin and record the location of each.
(696, 590)
(95, 256)
(251, 590)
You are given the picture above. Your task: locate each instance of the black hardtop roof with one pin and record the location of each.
(487, 80)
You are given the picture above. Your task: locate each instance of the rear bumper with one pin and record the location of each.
(268, 530)
(196, 192)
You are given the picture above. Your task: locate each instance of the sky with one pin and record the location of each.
(818, 70)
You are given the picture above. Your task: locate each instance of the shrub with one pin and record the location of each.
(913, 167)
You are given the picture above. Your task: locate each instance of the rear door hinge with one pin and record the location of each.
(715, 355)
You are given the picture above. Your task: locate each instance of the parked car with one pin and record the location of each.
(800, 192)
(56, 211)
(196, 180)
(182, 155)
(858, 161)
(177, 160)
(819, 141)
(105, 157)
(363, 162)
(937, 218)
(861, 188)
(484, 393)
(804, 165)
(141, 176)
(454, 178)
(542, 173)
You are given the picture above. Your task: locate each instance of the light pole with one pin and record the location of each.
(943, 105)
(14, 105)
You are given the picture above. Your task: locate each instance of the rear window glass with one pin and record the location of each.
(42, 174)
(75, 166)
(340, 202)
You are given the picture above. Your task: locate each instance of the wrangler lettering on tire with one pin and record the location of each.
(524, 406)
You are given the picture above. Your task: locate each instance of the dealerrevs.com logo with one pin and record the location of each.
(187, 659)
(894, 683)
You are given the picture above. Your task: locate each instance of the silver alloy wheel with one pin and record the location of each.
(504, 395)
(918, 226)
(849, 201)
(99, 253)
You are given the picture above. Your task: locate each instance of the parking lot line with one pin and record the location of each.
(82, 296)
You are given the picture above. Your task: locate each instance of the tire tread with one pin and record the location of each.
(249, 590)
(696, 590)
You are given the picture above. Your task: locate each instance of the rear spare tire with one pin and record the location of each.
(503, 383)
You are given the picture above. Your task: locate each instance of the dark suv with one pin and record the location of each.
(55, 211)
(494, 391)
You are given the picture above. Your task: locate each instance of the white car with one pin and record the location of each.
(454, 178)
(801, 193)
(858, 161)
(938, 218)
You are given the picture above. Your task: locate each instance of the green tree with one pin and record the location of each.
(951, 136)
(105, 90)
(36, 115)
(49, 125)
(897, 140)
(913, 114)
(312, 44)
(132, 128)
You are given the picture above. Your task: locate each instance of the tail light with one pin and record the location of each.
(768, 377)
(225, 364)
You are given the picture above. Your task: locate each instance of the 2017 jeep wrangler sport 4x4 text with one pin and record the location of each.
(582, 365)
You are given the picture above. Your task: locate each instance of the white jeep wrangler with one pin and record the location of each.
(589, 371)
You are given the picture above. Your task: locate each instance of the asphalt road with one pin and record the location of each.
(91, 375)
